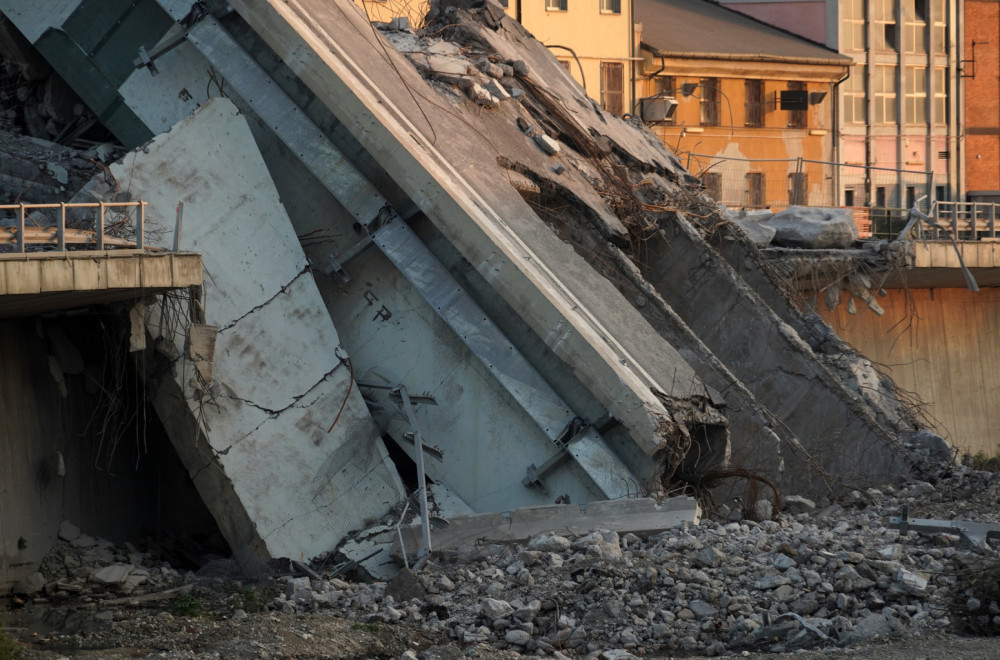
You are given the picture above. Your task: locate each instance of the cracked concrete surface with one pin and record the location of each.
(278, 379)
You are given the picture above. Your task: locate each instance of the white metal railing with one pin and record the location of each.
(59, 235)
(967, 220)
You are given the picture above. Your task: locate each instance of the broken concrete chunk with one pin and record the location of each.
(111, 575)
(796, 504)
(496, 89)
(547, 144)
(494, 609)
(68, 531)
(750, 222)
(443, 48)
(549, 542)
(83, 541)
(440, 65)
(490, 69)
(814, 227)
(479, 94)
(519, 67)
(405, 586)
(400, 24)
(32, 584)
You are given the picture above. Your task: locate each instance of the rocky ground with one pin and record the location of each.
(832, 580)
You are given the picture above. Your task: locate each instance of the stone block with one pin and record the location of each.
(813, 227)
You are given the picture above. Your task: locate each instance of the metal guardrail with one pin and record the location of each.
(60, 235)
(967, 220)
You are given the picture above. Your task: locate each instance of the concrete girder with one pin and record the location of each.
(469, 322)
(300, 33)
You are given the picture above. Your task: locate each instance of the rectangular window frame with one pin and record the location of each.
(853, 38)
(756, 190)
(556, 5)
(709, 88)
(855, 100)
(712, 181)
(798, 189)
(885, 33)
(754, 94)
(798, 118)
(613, 87)
(915, 92)
(940, 100)
(611, 6)
(884, 91)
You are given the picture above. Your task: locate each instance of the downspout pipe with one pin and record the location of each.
(835, 93)
(631, 49)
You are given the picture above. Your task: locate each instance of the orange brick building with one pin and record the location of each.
(981, 71)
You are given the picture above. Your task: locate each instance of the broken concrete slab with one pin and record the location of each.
(813, 227)
(639, 516)
(751, 222)
(266, 420)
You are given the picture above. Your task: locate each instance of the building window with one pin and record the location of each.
(854, 25)
(755, 197)
(884, 28)
(915, 88)
(915, 17)
(880, 196)
(754, 102)
(611, 6)
(911, 196)
(798, 189)
(612, 87)
(939, 34)
(505, 3)
(849, 197)
(709, 101)
(884, 86)
(798, 118)
(713, 185)
(666, 86)
(940, 95)
(854, 96)
(555, 5)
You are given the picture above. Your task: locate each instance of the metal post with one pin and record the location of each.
(418, 445)
(178, 225)
(993, 220)
(61, 228)
(20, 227)
(140, 228)
(99, 230)
(795, 184)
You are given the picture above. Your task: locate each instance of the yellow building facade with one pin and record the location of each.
(755, 105)
(594, 39)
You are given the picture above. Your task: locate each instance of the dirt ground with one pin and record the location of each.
(156, 633)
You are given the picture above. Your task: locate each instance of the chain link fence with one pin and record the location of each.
(878, 196)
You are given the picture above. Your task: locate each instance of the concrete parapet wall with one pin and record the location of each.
(940, 344)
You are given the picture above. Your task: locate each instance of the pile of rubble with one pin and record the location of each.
(89, 570)
(836, 575)
(822, 574)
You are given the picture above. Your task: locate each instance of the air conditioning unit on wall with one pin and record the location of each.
(657, 108)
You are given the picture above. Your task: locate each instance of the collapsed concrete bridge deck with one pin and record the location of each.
(529, 264)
